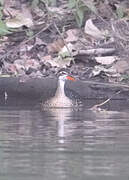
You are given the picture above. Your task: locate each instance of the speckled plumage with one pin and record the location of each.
(60, 100)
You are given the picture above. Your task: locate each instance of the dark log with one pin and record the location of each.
(46, 87)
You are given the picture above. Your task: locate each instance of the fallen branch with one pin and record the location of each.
(96, 107)
(99, 51)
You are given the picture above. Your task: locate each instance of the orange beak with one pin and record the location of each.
(70, 78)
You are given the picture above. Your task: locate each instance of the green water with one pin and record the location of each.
(63, 144)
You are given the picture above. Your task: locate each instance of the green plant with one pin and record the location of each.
(79, 7)
(1, 2)
(3, 28)
(120, 11)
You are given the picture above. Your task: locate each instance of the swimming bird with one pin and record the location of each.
(60, 100)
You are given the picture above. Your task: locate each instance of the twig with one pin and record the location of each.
(107, 100)
(63, 40)
(32, 37)
(102, 51)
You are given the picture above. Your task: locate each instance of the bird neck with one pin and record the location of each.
(60, 88)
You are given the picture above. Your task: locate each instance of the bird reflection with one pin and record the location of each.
(61, 115)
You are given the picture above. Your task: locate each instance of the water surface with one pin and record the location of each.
(63, 144)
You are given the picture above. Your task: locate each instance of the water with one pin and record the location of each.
(63, 144)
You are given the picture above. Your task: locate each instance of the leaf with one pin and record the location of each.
(1, 2)
(55, 46)
(121, 66)
(106, 60)
(5, 75)
(3, 28)
(72, 35)
(1, 13)
(72, 3)
(19, 21)
(65, 51)
(79, 16)
(57, 61)
(93, 31)
(111, 72)
(29, 33)
(62, 63)
(120, 11)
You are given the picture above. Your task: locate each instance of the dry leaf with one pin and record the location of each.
(56, 46)
(31, 63)
(57, 10)
(121, 66)
(23, 18)
(38, 41)
(19, 21)
(10, 68)
(66, 50)
(47, 58)
(39, 12)
(59, 62)
(93, 31)
(111, 72)
(11, 7)
(106, 60)
(72, 35)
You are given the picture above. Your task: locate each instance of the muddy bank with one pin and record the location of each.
(43, 88)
